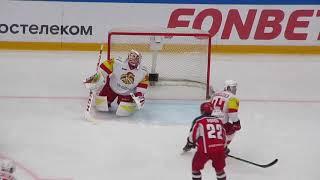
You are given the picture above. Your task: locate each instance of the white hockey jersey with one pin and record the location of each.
(228, 104)
(124, 80)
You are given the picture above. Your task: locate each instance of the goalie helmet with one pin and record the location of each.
(206, 108)
(231, 86)
(134, 58)
(8, 166)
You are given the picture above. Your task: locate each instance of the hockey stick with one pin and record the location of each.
(87, 115)
(256, 164)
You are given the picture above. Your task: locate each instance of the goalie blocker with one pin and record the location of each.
(124, 80)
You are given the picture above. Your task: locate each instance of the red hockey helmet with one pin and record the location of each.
(206, 108)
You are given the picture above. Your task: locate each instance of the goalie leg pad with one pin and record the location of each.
(101, 103)
(126, 109)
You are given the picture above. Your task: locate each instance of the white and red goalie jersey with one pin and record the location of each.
(4, 175)
(124, 80)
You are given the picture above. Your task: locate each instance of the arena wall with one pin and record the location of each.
(272, 26)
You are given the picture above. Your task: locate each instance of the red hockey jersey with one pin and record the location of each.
(208, 133)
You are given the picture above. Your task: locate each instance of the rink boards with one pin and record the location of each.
(250, 28)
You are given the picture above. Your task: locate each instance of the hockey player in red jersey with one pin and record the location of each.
(228, 103)
(125, 80)
(208, 135)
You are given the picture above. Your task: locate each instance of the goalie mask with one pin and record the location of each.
(231, 86)
(206, 108)
(134, 58)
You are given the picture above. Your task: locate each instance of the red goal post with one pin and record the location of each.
(174, 57)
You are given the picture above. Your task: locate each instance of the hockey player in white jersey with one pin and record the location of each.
(7, 170)
(125, 80)
(228, 103)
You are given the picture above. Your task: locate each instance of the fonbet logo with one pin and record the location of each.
(259, 24)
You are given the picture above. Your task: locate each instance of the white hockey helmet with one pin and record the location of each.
(8, 166)
(134, 58)
(218, 113)
(231, 85)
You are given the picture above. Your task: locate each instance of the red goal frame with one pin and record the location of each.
(167, 32)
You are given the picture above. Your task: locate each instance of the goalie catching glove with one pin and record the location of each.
(138, 98)
(94, 82)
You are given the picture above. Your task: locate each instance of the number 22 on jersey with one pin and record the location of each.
(214, 131)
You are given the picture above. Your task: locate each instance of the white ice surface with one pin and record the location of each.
(42, 129)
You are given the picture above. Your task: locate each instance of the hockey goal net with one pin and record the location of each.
(178, 60)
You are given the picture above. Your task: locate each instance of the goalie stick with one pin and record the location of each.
(87, 115)
(253, 163)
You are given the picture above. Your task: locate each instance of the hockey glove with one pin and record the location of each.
(188, 146)
(141, 97)
(229, 128)
(237, 125)
(226, 150)
(94, 82)
(138, 99)
(92, 79)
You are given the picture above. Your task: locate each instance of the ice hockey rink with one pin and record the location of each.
(42, 103)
